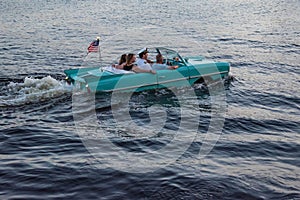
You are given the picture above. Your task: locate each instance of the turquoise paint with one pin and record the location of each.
(190, 70)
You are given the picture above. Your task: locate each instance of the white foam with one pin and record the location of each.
(33, 90)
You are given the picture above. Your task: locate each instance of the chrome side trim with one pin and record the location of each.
(128, 88)
(211, 74)
(162, 82)
(173, 80)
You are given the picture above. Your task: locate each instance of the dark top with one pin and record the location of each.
(128, 67)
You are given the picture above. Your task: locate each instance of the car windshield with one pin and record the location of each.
(167, 54)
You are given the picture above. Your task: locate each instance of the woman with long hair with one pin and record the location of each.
(121, 63)
(131, 66)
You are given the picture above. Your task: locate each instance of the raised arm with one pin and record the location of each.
(139, 70)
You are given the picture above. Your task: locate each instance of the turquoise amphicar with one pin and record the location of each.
(191, 70)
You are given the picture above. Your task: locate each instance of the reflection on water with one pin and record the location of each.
(256, 155)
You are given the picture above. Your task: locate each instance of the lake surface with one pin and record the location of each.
(241, 142)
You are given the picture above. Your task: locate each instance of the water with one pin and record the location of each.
(45, 156)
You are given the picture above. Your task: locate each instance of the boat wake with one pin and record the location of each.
(32, 90)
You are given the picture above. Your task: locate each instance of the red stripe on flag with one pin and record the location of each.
(93, 49)
(94, 46)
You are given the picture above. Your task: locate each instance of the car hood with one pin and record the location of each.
(196, 60)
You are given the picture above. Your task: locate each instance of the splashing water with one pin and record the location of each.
(32, 90)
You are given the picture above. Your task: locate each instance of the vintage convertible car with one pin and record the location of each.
(191, 70)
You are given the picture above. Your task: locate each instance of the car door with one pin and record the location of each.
(173, 78)
(136, 82)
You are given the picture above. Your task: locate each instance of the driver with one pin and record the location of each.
(159, 64)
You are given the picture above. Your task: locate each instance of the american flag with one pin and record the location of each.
(94, 46)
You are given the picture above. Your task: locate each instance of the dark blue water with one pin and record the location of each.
(238, 141)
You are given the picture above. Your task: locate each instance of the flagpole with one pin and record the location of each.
(95, 47)
(99, 51)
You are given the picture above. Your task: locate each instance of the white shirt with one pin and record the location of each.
(143, 64)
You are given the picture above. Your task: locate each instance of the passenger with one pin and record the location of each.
(159, 64)
(122, 59)
(131, 66)
(143, 62)
(121, 63)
